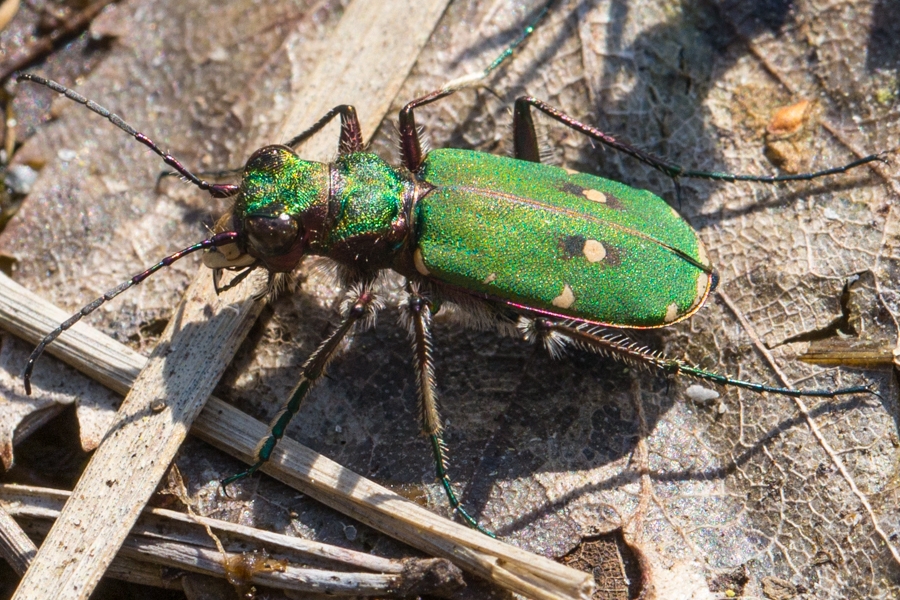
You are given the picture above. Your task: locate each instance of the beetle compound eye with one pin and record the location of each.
(271, 236)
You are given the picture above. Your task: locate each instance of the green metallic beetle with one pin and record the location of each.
(555, 256)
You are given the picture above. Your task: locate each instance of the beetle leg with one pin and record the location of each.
(351, 139)
(360, 305)
(610, 342)
(351, 133)
(410, 144)
(526, 148)
(525, 143)
(418, 311)
(411, 153)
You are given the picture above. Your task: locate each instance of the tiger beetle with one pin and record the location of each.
(556, 257)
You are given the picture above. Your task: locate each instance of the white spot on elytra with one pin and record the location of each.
(702, 285)
(490, 278)
(702, 256)
(671, 313)
(594, 195)
(594, 251)
(564, 300)
(420, 263)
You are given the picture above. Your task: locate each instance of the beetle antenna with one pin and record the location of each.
(216, 190)
(220, 239)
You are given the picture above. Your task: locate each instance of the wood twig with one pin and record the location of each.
(163, 537)
(236, 433)
(149, 427)
(16, 547)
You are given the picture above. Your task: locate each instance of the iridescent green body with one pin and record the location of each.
(525, 247)
(350, 210)
(533, 237)
(555, 257)
(538, 237)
